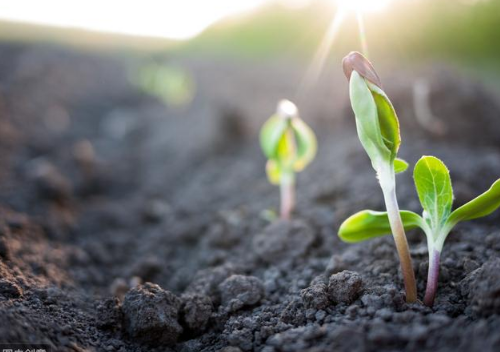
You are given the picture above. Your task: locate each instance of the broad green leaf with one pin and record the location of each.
(433, 183)
(306, 144)
(400, 165)
(273, 172)
(369, 224)
(271, 134)
(367, 121)
(286, 149)
(483, 205)
(388, 120)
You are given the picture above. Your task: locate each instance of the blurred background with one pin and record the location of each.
(312, 34)
(156, 86)
(464, 31)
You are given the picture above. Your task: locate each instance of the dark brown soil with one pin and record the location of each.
(126, 225)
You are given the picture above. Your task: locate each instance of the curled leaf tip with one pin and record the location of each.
(287, 109)
(355, 61)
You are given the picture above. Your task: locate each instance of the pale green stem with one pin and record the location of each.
(287, 189)
(388, 184)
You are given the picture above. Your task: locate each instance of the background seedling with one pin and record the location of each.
(378, 130)
(434, 188)
(290, 145)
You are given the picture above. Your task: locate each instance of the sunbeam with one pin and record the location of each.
(318, 62)
(344, 7)
(362, 34)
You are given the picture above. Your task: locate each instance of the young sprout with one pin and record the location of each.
(289, 145)
(378, 130)
(433, 184)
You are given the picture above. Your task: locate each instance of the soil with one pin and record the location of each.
(127, 225)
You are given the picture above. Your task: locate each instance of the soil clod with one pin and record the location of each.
(239, 291)
(315, 296)
(151, 315)
(196, 311)
(344, 287)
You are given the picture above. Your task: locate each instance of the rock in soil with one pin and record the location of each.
(151, 315)
(239, 291)
(344, 287)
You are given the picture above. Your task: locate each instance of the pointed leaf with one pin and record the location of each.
(400, 165)
(367, 121)
(306, 144)
(271, 134)
(369, 224)
(483, 205)
(433, 183)
(388, 120)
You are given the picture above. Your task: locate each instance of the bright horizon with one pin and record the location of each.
(170, 19)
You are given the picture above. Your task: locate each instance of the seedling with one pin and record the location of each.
(378, 130)
(434, 188)
(289, 145)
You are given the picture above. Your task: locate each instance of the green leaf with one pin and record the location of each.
(271, 134)
(369, 224)
(388, 120)
(433, 183)
(273, 172)
(376, 120)
(367, 121)
(400, 165)
(306, 144)
(483, 205)
(286, 149)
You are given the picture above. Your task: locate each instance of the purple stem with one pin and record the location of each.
(432, 278)
(287, 198)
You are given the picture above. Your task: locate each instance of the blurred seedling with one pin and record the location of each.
(434, 188)
(289, 145)
(378, 130)
(172, 84)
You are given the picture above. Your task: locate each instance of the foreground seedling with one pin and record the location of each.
(434, 188)
(378, 130)
(289, 145)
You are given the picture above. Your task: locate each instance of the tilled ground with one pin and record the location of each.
(129, 226)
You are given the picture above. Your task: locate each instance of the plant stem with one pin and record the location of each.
(398, 232)
(287, 188)
(432, 277)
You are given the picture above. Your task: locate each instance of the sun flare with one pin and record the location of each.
(153, 18)
(363, 5)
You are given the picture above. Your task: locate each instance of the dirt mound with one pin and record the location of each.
(126, 225)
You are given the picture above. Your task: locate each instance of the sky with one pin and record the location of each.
(172, 19)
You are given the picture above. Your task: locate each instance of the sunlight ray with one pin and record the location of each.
(362, 34)
(319, 59)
